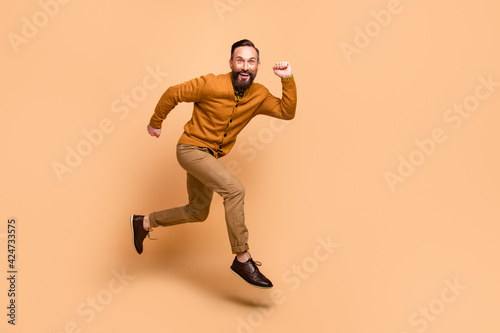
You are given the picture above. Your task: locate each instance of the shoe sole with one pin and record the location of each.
(253, 285)
(133, 233)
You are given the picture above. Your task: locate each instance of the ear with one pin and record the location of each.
(231, 63)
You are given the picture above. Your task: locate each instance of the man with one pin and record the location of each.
(223, 105)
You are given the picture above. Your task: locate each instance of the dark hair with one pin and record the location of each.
(244, 42)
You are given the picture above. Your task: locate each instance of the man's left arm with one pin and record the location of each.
(284, 107)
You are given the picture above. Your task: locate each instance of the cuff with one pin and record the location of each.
(290, 78)
(239, 249)
(155, 124)
(152, 221)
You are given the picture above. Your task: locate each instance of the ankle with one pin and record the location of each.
(243, 256)
(146, 224)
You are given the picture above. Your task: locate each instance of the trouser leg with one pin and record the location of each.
(205, 175)
(196, 210)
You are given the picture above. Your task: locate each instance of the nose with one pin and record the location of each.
(245, 65)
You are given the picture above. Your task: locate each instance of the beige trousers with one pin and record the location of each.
(205, 175)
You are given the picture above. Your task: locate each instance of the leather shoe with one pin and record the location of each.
(138, 231)
(249, 272)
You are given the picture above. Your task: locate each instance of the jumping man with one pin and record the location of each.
(223, 105)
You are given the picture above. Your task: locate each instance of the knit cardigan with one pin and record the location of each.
(217, 117)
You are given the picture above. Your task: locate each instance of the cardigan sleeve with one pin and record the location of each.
(190, 91)
(284, 107)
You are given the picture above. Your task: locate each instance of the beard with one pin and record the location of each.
(242, 84)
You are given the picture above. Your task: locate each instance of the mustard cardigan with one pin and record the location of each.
(217, 116)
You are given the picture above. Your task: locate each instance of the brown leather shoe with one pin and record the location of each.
(249, 272)
(138, 231)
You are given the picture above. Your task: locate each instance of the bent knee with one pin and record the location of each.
(235, 192)
(199, 216)
(238, 190)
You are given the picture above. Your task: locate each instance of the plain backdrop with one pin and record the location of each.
(375, 210)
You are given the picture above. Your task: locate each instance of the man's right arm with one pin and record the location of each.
(190, 91)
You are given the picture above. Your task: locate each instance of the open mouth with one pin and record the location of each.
(244, 75)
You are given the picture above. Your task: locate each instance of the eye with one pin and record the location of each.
(251, 62)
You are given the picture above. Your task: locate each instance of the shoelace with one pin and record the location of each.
(257, 263)
(149, 234)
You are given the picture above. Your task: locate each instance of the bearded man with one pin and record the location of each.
(223, 105)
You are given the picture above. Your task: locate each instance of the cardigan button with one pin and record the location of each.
(225, 134)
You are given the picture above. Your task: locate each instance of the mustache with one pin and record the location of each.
(244, 71)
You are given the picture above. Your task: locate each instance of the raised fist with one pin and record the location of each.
(283, 69)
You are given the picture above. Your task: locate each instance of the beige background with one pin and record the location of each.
(319, 177)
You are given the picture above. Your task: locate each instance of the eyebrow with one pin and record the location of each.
(240, 57)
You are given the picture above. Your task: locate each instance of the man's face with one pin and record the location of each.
(244, 67)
